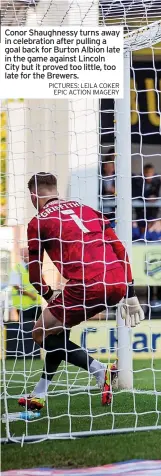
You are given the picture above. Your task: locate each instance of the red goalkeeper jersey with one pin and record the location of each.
(76, 240)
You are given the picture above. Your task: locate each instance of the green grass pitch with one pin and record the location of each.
(83, 411)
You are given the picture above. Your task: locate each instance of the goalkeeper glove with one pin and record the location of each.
(130, 309)
(51, 294)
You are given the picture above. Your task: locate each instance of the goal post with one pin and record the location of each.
(124, 214)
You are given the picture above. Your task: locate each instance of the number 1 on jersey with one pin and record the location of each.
(77, 220)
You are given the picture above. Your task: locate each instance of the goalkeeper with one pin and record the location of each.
(87, 252)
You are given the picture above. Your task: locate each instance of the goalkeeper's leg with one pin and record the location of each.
(59, 348)
(79, 357)
(36, 400)
(75, 355)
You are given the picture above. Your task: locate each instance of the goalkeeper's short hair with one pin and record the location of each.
(42, 179)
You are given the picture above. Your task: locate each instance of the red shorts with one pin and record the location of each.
(81, 302)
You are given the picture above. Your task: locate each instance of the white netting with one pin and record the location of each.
(64, 137)
(141, 19)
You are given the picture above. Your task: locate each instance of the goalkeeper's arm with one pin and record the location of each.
(119, 250)
(130, 308)
(36, 255)
(35, 275)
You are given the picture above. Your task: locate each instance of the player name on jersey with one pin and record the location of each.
(49, 208)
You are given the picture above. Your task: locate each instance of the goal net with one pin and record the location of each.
(92, 149)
